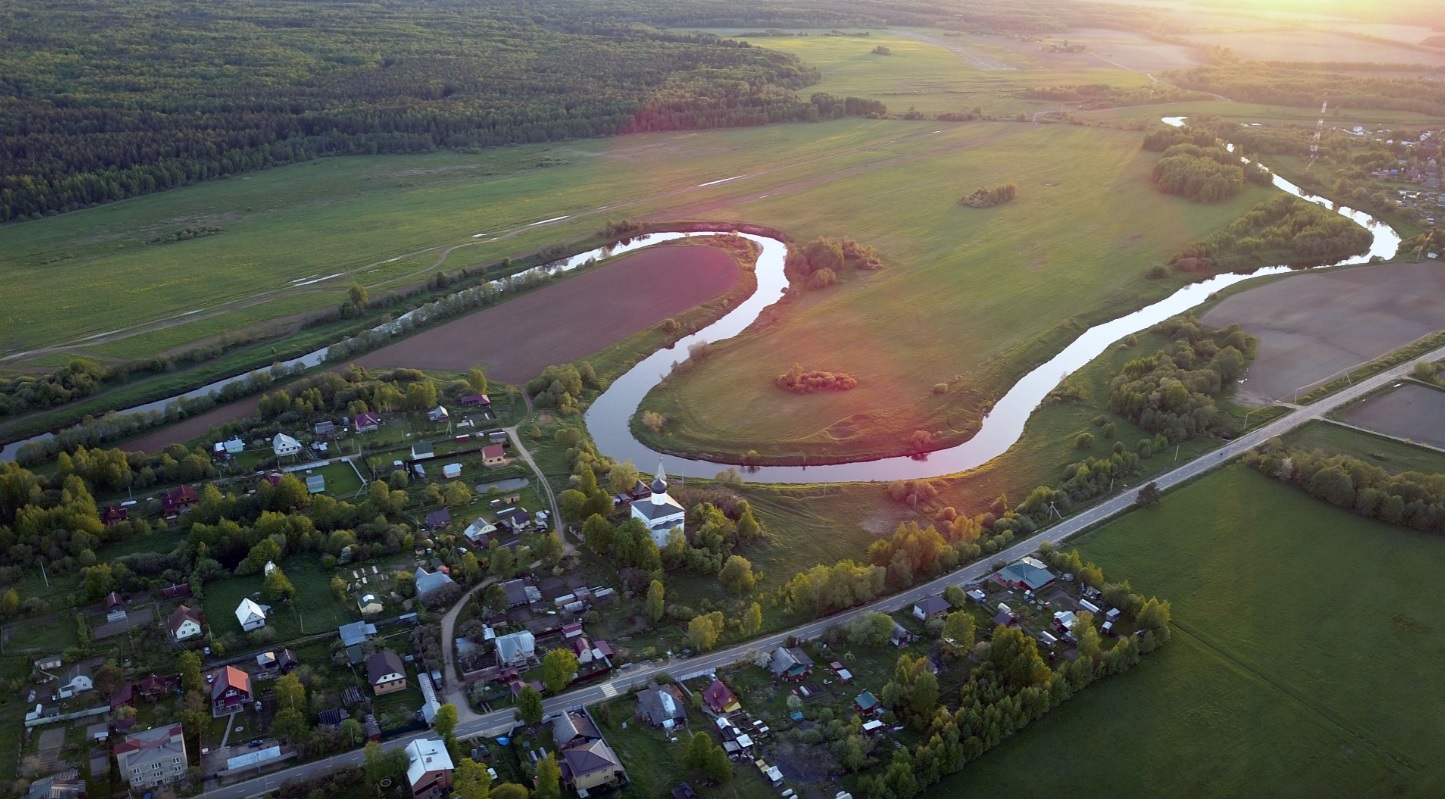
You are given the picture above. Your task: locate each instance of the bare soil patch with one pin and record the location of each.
(1412, 412)
(1317, 325)
(195, 426)
(516, 340)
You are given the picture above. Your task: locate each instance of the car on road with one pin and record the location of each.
(255, 743)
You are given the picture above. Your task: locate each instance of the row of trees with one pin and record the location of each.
(1102, 95)
(1409, 499)
(1172, 391)
(1258, 82)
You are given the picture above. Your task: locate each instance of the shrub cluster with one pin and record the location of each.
(989, 196)
(800, 382)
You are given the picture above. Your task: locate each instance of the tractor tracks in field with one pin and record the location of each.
(1322, 713)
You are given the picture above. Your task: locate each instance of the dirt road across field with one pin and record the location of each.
(1411, 412)
(1314, 326)
(576, 317)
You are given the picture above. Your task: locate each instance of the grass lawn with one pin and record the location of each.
(163, 540)
(654, 764)
(1303, 636)
(1387, 453)
(969, 297)
(315, 609)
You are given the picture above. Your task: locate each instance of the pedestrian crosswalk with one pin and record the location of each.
(609, 690)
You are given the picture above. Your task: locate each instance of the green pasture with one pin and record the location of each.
(314, 610)
(969, 297)
(1256, 112)
(929, 76)
(92, 272)
(1304, 637)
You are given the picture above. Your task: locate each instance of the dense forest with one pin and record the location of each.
(100, 101)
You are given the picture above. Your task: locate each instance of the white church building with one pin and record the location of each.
(660, 512)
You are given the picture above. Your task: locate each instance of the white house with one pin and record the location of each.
(516, 649)
(438, 414)
(185, 624)
(285, 446)
(250, 615)
(660, 512)
(479, 531)
(78, 680)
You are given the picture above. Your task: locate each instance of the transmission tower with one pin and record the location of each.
(1319, 129)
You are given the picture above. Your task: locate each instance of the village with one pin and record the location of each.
(408, 643)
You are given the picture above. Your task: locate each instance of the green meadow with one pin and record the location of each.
(1305, 639)
(927, 75)
(970, 298)
(383, 222)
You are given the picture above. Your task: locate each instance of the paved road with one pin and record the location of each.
(500, 722)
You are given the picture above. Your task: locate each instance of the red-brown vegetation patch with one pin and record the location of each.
(572, 319)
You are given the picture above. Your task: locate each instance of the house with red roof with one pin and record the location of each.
(720, 699)
(176, 502)
(230, 691)
(494, 455)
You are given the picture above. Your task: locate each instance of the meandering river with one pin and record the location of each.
(608, 417)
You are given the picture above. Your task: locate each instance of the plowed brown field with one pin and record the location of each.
(576, 317)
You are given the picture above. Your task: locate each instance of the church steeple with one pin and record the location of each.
(659, 485)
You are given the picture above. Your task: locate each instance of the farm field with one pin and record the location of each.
(1072, 250)
(1315, 326)
(1387, 453)
(1256, 694)
(1412, 412)
(938, 74)
(571, 319)
(1283, 44)
(382, 221)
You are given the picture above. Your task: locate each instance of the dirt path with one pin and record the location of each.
(970, 56)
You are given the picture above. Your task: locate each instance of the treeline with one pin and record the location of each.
(1408, 499)
(990, 196)
(1172, 391)
(806, 382)
(1257, 82)
(1011, 687)
(1099, 95)
(1282, 229)
(83, 377)
(168, 95)
(821, 262)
